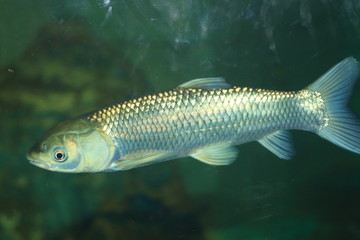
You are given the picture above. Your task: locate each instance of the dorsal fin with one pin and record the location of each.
(279, 143)
(206, 83)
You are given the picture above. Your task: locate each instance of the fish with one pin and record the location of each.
(205, 119)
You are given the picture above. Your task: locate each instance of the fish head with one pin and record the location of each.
(73, 146)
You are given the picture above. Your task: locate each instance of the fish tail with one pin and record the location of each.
(335, 86)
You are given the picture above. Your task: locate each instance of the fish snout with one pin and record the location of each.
(29, 156)
(34, 159)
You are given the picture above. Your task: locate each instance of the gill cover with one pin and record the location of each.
(97, 151)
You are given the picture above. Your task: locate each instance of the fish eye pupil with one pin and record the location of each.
(60, 156)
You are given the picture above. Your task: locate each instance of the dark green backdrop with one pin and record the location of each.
(62, 58)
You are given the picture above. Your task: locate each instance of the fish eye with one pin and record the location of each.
(60, 155)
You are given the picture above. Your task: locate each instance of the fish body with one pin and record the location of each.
(204, 119)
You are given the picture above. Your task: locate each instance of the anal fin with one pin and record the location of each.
(216, 155)
(279, 143)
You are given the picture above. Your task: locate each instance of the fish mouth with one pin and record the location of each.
(35, 162)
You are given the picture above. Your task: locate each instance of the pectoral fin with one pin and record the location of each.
(139, 159)
(279, 143)
(216, 155)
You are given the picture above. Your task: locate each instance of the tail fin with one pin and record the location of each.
(335, 87)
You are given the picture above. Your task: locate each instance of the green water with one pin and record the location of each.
(59, 59)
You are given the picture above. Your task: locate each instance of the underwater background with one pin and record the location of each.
(59, 59)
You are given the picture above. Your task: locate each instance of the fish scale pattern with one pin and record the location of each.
(184, 119)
